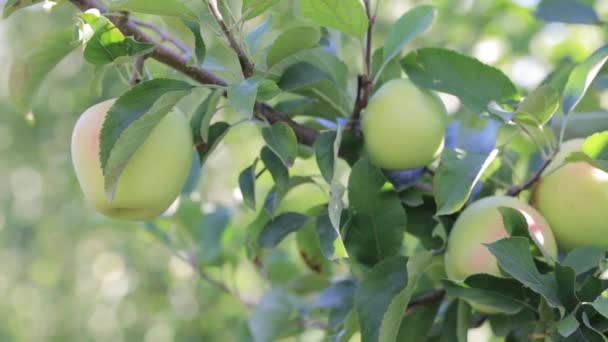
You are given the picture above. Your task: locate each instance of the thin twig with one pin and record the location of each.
(246, 65)
(424, 300)
(164, 36)
(212, 281)
(516, 190)
(138, 72)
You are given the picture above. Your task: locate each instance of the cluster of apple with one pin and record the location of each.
(403, 127)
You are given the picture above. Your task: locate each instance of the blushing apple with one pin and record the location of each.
(481, 223)
(403, 126)
(573, 197)
(154, 175)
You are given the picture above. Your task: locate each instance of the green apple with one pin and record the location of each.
(153, 177)
(403, 126)
(481, 223)
(573, 197)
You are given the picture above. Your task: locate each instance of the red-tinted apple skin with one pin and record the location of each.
(153, 177)
(573, 197)
(481, 223)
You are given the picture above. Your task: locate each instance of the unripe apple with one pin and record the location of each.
(481, 223)
(403, 126)
(573, 197)
(153, 177)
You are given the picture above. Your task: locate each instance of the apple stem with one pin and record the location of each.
(516, 190)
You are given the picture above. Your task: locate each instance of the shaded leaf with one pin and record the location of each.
(247, 185)
(200, 50)
(457, 174)
(281, 139)
(413, 22)
(538, 107)
(271, 316)
(278, 171)
(326, 152)
(201, 119)
(566, 11)
(253, 8)
(332, 245)
(514, 258)
(475, 83)
(291, 41)
(383, 295)
(29, 70)
(375, 231)
(279, 227)
(581, 78)
(242, 95)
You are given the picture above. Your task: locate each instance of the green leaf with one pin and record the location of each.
(200, 50)
(201, 118)
(326, 149)
(217, 132)
(267, 90)
(601, 304)
(336, 205)
(29, 70)
(568, 325)
(130, 121)
(566, 11)
(12, 6)
(384, 294)
(291, 41)
(390, 71)
(253, 39)
(253, 8)
(279, 227)
(104, 43)
(309, 247)
(413, 22)
(345, 15)
(488, 296)
(581, 78)
(278, 171)
(538, 107)
(173, 8)
(282, 140)
(332, 245)
(211, 229)
(594, 151)
(514, 258)
(584, 258)
(306, 79)
(242, 95)
(457, 174)
(271, 316)
(456, 322)
(378, 220)
(566, 286)
(474, 82)
(417, 325)
(247, 185)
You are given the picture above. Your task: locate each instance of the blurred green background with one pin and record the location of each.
(69, 274)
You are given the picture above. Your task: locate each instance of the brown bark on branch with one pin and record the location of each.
(178, 62)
